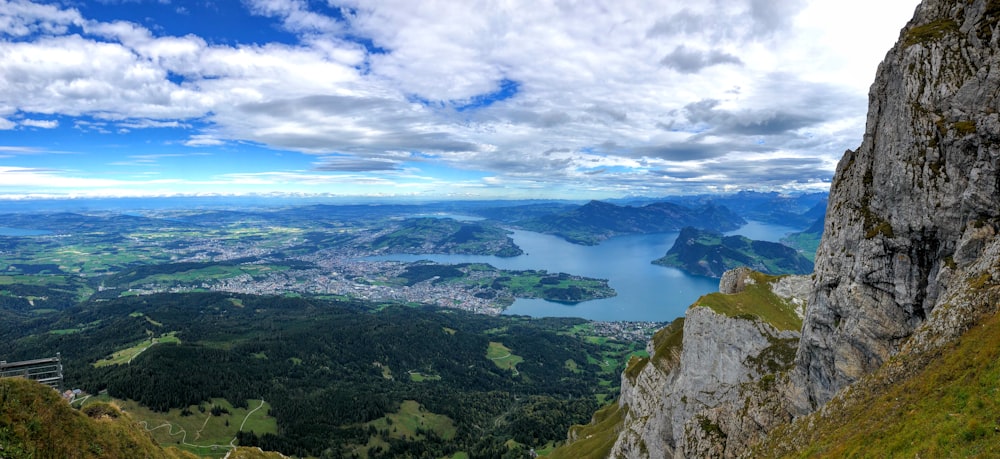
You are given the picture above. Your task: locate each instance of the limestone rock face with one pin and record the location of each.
(714, 394)
(909, 260)
(735, 280)
(916, 203)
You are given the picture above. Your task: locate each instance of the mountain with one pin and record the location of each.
(771, 207)
(807, 240)
(705, 389)
(897, 352)
(708, 253)
(596, 221)
(913, 217)
(445, 235)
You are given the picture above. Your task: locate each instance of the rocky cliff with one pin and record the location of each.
(706, 389)
(915, 206)
(907, 272)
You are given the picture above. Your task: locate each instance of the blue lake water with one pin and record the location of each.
(763, 231)
(4, 231)
(646, 292)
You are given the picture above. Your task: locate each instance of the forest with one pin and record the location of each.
(332, 369)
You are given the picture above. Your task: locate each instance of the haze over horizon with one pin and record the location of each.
(433, 100)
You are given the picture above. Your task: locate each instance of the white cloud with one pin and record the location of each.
(22, 18)
(295, 16)
(43, 124)
(203, 140)
(640, 93)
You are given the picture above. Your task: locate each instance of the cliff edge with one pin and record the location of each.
(708, 386)
(898, 351)
(914, 210)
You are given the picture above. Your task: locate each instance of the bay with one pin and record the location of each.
(646, 292)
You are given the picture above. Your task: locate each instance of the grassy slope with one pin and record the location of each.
(36, 423)
(126, 355)
(594, 440)
(502, 356)
(806, 243)
(948, 408)
(756, 301)
(198, 431)
(410, 422)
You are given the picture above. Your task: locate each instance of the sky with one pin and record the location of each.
(453, 99)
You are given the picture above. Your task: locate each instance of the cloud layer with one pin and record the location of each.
(587, 99)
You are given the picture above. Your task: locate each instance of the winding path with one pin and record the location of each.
(233, 442)
(170, 431)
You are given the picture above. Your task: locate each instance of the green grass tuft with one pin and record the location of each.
(930, 31)
(755, 302)
(594, 440)
(667, 343)
(965, 127)
(948, 408)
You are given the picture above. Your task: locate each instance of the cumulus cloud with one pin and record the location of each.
(23, 18)
(43, 124)
(526, 93)
(686, 60)
(295, 15)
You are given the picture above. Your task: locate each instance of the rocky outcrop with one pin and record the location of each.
(735, 280)
(909, 260)
(915, 206)
(707, 388)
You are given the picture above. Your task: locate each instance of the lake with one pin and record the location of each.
(646, 292)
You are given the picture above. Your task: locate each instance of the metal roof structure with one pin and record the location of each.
(48, 371)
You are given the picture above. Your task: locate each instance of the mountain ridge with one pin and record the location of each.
(906, 282)
(597, 221)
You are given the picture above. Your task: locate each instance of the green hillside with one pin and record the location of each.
(940, 405)
(36, 423)
(708, 253)
(337, 376)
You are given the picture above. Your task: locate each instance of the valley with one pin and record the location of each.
(512, 230)
(333, 331)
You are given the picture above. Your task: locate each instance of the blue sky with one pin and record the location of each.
(433, 99)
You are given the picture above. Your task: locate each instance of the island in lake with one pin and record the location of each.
(709, 253)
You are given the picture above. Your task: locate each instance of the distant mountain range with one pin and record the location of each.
(790, 210)
(709, 253)
(596, 221)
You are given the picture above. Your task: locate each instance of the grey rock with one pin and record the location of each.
(711, 399)
(735, 280)
(909, 260)
(917, 200)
